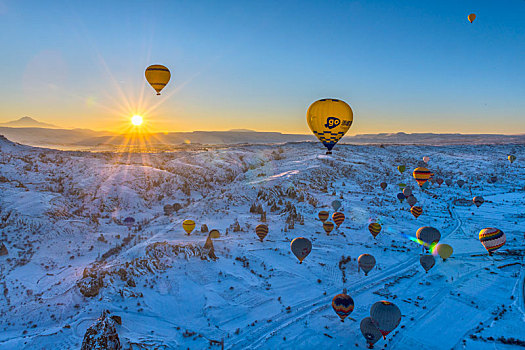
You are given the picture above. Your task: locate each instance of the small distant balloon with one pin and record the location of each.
(328, 226)
(444, 251)
(188, 226)
(323, 215)
(407, 192)
(129, 222)
(448, 182)
(421, 175)
(478, 201)
(401, 197)
(471, 17)
(374, 229)
(261, 231)
(401, 168)
(301, 247)
(336, 205)
(427, 261)
(416, 211)
(338, 218)
(343, 305)
(426, 159)
(411, 200)
(366, 262)
(383, 185)
(511, 158)
(439, 181)
(460, 183)
(492, 239)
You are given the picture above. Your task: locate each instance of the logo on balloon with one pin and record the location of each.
(332, 122)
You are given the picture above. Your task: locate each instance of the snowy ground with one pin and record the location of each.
(56, 205)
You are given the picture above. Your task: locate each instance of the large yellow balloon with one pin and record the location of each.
(329, 119)
(158, 77)
(188, 226)
(444, 251)
(471, 17)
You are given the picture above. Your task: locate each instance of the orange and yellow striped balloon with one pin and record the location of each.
(328, 227)
(338, 218)
(374, 229)
(421, 175)
(416, 211)
(323, 215)
(492, 239)
(261, 231)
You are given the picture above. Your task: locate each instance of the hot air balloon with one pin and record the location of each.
(129, 222)
(401, 197)
(338, 218)
(427, 261)
(336, 205)
(374, 229)
(478, 200)
(386, 316)
(168, 210)
(426, 159)
(492, 239)
(407, 192)
(301, 247)
(511, 158)
(323, 215)
(401, 186)
(366, 262)
(158, 77)
(328, 227)
(261, 231)
(343, 305)
(188, 226)
(401, 168)
(383, 185)
(444, 251)
(421, 175)
(428, 234)
(329, 119)
(214, 234)
(460, 183)
(411, 200)
(494, 179)
(448, 182)
(370, 331)
(439, 181)
(471, 17)
(416, 211)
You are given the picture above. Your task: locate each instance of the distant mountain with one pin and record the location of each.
(28, 122)
(48, 137)
(435, 139)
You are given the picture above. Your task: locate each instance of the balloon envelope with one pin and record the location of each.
(416, 211)
(428, 234)
(426, 159)
(261, 231)
(336, 205)
(401, 197)
(366, 262)
(411, 200)
(301, 247)
(407, 192)
(328, 227)
(421, 175)
(329, 119)
(471, 17)
(383, 185)
(369, 330)
(386, 316)
(158, 77)
(478, 201)
(511, 158)
(188, 226)
(444, 250)
(343, 305)
(338, 218)
(323, 215)
(492, 239)
(401, 168)
(374, 229)
(427, 261)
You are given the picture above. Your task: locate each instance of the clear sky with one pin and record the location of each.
(412, 66)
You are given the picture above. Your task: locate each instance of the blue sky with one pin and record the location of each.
(412, 66)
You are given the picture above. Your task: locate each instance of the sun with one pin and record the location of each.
(136, 120)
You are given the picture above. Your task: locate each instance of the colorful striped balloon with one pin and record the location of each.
(158, 77)
(338, 218)
(261, 231)
(328, 227)
(421, 175)
(374, 229)
(416, 211)
(343, 305)
(323, 215)
(492, 239)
